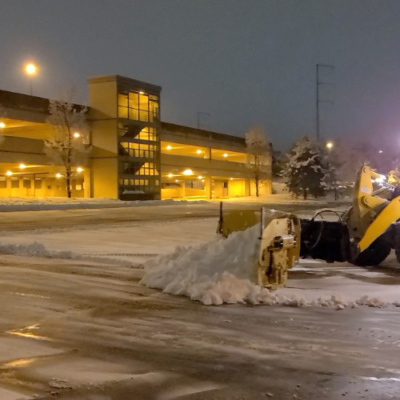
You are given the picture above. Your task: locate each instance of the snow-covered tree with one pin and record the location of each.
(308, 170)
(68, 145)
(258, 156)
(348, 158)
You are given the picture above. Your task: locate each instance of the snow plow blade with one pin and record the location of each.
(279, 241)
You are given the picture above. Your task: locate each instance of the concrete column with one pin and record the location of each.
(87, 183)
(247, 186)
(207, 187)
(183, 190)
(9, 190)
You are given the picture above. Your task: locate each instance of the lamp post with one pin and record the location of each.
(329, 146)
(30, 70)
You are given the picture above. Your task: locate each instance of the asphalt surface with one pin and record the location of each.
(168, 347)
(31, 220)
(113, 339)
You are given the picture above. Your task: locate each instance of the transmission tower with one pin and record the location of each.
(329, 69)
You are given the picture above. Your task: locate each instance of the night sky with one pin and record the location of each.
(242, 61)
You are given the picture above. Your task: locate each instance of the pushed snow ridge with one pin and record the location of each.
(223, 271)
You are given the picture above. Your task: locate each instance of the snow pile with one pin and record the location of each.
(222, 271)
(63, 203)
(35, 250)
(215, 272)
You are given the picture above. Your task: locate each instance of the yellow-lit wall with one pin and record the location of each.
(37, 131)
(51, 187)
(237, 188)
(104, 182)
(265, 187)
(103, 98)
(189, 192)
(104, 138)
(218, 190)
(172, 193)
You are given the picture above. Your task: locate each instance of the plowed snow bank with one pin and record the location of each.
(222, 271)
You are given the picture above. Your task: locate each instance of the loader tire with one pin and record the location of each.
(374, 255)
(397, 240)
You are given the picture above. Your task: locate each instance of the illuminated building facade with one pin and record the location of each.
(134, 155)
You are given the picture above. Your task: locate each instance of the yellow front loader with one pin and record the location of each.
(363, 235)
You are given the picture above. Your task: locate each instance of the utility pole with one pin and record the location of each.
(320, 83)
(199, 124)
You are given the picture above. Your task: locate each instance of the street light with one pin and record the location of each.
(77, 134)
(30, 69)
(2, 125)
(329, 145)
(22, 166)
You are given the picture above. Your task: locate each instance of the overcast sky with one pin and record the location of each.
(243, 62)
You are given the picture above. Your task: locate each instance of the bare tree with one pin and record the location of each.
(258, 155)
(68, 145)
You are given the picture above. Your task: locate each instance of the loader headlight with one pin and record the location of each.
(381, 179)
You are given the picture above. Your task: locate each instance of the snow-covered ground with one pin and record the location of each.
(187, 257)
(63, 203)
(76, 323)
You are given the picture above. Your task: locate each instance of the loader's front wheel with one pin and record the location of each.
(397, 241)
(374, 255)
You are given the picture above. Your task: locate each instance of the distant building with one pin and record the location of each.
(135, 156)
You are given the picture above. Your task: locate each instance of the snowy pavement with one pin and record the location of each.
(64, 203)
(77, 324)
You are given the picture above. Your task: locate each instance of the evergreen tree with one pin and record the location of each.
(308, 170)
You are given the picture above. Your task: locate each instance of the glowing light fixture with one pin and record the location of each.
(77, 134)
(8, 173)
(58, 175)
(141, 92)
(380, 179)
(22, 166)
(231, 179)
(169, 147)
(170, 175)
(79, 169)
(2, 125)
(225, 155)
(30, 69)
(198, 152)
(200, 177)
(380, 151)
(187, 172)
(329, 145)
